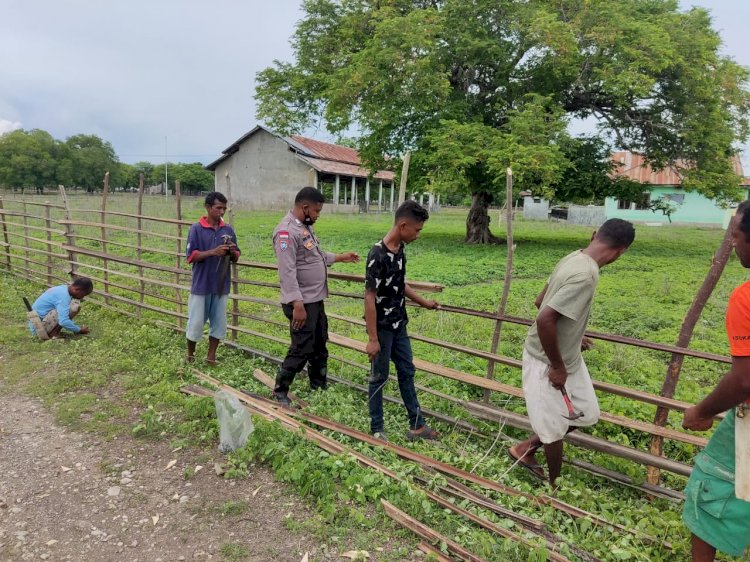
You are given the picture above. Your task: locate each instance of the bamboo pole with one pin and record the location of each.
(718, 263)
(116, 227)
(272, 412)
(26, 233)
(235, 285)
(48, 224)
(6, 243)
(178, 205)
(139, 226)
(402, 184)
(69, 233)
(426, 533)
(103, 220)
(596, 335)
(163, 220)
(30, 227)
(506, 281)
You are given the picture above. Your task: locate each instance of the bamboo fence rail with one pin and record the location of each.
(151, 282)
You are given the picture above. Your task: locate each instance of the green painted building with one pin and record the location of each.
(689, 207)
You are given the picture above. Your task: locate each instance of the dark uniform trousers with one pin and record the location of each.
(308, 347)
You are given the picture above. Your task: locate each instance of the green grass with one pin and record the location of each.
(645, 294)
(233, 552)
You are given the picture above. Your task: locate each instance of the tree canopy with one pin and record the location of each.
(35, 160)
(474, 87)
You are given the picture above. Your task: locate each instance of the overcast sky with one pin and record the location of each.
(136, 72)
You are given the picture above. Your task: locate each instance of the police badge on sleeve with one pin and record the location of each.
(283, 240)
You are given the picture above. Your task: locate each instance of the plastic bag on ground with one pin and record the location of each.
(234, 422)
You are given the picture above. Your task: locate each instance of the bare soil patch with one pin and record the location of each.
(66, 495)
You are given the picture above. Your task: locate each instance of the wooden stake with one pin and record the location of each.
(103, 220)
(683, 340)
(178, 261)
(404, 175)
(139, 226)
(6, 243)
(506, 281)
(48, 225)
(69, 233)
(426, 533)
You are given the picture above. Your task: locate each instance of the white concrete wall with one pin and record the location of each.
(262, 174)
(588, 215)
(537, 211)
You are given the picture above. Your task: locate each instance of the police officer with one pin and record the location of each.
(303, 274)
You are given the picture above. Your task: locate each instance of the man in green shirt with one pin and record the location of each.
(552, 358)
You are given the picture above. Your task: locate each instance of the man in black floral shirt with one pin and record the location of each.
(385, 313)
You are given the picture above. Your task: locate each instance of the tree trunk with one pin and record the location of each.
(478, 221)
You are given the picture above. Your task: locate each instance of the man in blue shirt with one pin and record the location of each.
(211, 245)
(57, 307)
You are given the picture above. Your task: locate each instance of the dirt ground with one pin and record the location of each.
(72, 496)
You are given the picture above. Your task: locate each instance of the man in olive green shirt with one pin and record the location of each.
(552, 357)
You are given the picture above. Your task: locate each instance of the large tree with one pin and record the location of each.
(91, 158)
(32, 159)
(421, 75)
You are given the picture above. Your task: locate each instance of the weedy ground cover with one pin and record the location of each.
(644, 295)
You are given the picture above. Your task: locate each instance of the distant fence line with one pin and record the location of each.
(138, 261)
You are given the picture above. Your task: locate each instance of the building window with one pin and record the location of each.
(638, 204)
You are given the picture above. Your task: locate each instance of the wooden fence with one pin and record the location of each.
(137, 263)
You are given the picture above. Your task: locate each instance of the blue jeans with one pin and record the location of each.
(396, 347)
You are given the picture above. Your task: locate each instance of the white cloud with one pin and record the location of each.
(8, 126)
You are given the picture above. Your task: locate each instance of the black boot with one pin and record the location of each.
(318, 378)
(284, 380)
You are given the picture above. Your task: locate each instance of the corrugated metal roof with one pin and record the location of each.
(327, 151)
(344, 168)
(323, 156)
(633, 166)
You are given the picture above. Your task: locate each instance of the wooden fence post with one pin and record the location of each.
(235, 286)
(69, 233)
(506, 281)
(178, 292)
(27, 264)
(103, 220)
(686, 332)
(402, 185)
(48, 225)
(139, 244)
(6, 243)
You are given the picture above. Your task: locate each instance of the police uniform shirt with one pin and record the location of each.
(303, 266)
(386, 276)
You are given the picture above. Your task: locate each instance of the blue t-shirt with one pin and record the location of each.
(56, 298)
(201, 238)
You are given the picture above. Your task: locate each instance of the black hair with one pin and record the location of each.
(743, 222)
(411, 210)
(83, 283)
(309, 195)
(213, 196)
(616, 233)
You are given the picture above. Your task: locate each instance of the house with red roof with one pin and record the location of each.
(264, 170)
(689, 207)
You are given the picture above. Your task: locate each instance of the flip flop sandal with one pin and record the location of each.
(426, 433)
(534, 469)
(212, 363)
